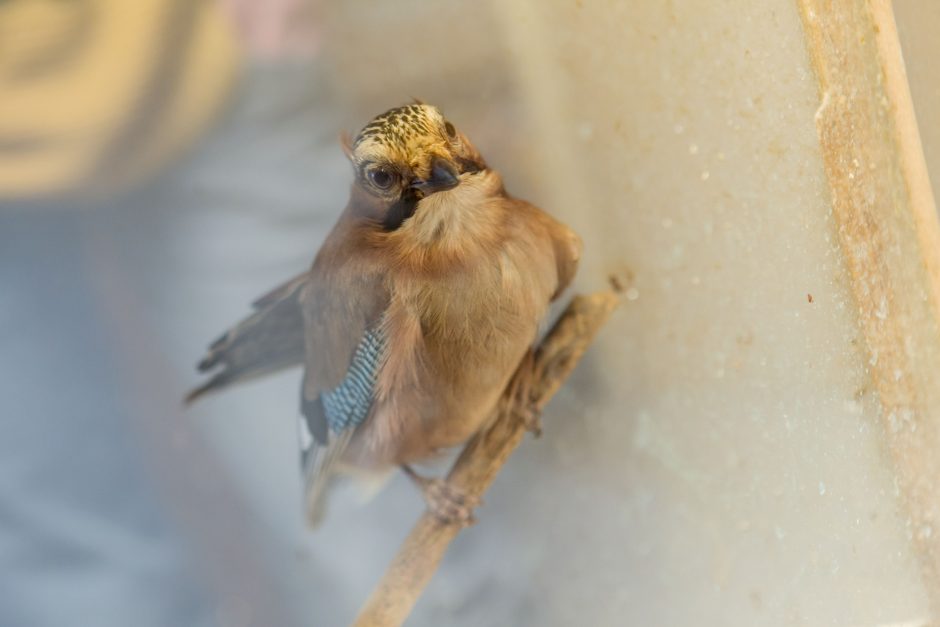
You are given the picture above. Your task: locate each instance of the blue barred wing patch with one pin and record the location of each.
(348, 404)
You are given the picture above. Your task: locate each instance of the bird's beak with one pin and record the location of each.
(443, 177)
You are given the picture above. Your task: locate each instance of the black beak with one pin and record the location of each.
(443, 177)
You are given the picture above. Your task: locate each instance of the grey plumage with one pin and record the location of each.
(269, 340)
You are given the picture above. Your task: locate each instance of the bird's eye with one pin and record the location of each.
(381, 178)
(451, 131)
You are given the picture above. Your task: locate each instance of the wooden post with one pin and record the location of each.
(890, 238)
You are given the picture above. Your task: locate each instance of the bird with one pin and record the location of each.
(419, 305)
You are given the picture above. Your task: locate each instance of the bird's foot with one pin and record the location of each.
(450, 505)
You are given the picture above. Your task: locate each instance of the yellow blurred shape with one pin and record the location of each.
(97, 94)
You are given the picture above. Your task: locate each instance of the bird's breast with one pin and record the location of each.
(461, 333)
(475, 328)
(481, 312)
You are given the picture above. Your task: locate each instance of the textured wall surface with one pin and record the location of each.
(739, 410)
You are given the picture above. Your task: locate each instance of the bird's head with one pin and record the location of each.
(408, 154)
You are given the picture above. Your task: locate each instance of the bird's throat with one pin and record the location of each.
(460, 217)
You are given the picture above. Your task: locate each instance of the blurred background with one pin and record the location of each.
(716, 460)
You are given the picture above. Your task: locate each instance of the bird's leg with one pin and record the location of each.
(448, 504)
(520, 396)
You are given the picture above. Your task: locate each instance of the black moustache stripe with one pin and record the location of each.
(403, 209)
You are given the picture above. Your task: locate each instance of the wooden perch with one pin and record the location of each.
(473, 472)
(886, 219)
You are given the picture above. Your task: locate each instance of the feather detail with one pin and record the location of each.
(343, 408)
(318, 471)
(347, 405)
(269, 340)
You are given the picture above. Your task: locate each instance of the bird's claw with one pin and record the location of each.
(448, 504)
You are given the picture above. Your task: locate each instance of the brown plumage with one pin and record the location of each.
(433, 262)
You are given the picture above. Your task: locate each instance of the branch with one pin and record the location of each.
(473, 472)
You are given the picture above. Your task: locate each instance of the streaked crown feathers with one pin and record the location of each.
(401, 125)
(400, 134)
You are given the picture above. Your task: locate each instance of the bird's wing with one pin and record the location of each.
(270, 339)
(343, 306)
(566, 244)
